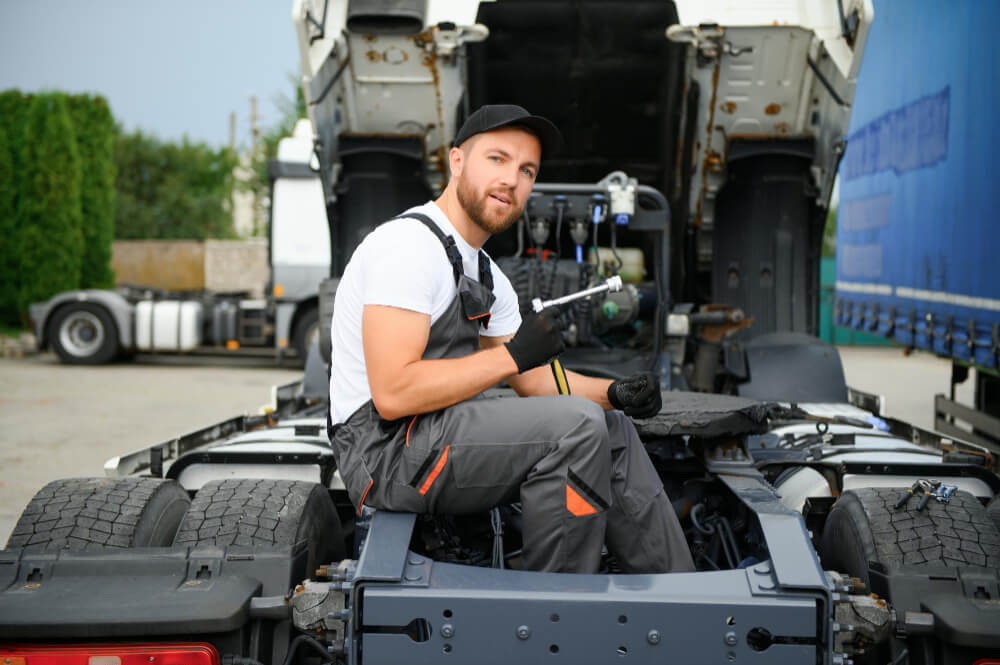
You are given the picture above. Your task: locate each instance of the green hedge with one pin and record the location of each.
(13, 108)
(57, 197)
(8, 268)
(95, 140)
(51, 235)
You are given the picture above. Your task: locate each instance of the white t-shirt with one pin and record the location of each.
(402, 264)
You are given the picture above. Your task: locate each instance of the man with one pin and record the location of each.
(424, 322)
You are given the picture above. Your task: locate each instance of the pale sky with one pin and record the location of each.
(170, 67)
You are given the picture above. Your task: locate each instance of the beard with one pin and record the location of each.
(475, 203)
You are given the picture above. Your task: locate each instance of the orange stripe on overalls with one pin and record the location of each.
(408, 431)
(435, 472)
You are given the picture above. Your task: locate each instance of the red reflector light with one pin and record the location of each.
(110, 654)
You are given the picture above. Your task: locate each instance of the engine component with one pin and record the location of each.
(543, 279)
(540, 230)
(621, 190)
(322, 606)
(578, 231)
(860, 621)
(629, 262)
(598, 208)
(616, 309)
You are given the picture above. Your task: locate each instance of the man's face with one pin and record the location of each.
(497, 172)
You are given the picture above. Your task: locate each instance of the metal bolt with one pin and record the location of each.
(447, 630)
(523, 632)
(416, 560)
(653, 637)
(731, 639)
(412, 577)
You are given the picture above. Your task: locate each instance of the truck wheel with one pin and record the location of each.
(83, 334)
(265, 512)
(100, 513)
(306, 332)
(864, 526)
(993, 510)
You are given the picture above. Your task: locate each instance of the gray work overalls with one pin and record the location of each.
(581, 474)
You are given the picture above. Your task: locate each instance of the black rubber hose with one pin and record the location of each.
(555, 261)
(314, 644)
(614, 248)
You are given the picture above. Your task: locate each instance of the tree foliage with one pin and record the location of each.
(51, 237)
(95, 138)
(13, 107)
(171, 190)
(8, 257)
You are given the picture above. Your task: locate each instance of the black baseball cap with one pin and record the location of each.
(494, 116)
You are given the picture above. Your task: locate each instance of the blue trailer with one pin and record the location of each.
(918, 221)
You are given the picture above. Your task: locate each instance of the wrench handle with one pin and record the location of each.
(613, 284)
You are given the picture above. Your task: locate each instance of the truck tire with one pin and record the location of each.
(865, 526)
(101, 513)
(256, 512)
(306, 332)
(993, 510)
(83, 333)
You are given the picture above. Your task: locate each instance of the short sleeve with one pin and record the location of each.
(505, 316)
(399, 271)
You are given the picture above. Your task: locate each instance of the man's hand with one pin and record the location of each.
(537, 341)
(638, 396)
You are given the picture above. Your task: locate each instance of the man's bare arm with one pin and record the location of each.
(403, 384)
(539, 381)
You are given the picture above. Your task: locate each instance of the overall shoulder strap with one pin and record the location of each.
(485, 272)
(454, 256)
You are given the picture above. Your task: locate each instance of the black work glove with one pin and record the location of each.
(638, 396)
(537, 341)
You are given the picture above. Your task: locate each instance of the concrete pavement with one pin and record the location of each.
(62, 421)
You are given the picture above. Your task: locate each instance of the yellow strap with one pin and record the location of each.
(562, 383)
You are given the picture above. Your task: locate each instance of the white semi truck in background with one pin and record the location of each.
(94, 326)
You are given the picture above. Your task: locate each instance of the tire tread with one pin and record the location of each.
(84, 514)
(245, 512)
(956, 533)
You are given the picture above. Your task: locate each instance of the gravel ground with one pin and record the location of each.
(61, 421)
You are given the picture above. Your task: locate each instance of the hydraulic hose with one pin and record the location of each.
(312, 643)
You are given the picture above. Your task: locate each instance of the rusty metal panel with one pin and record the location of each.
(166, 264)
